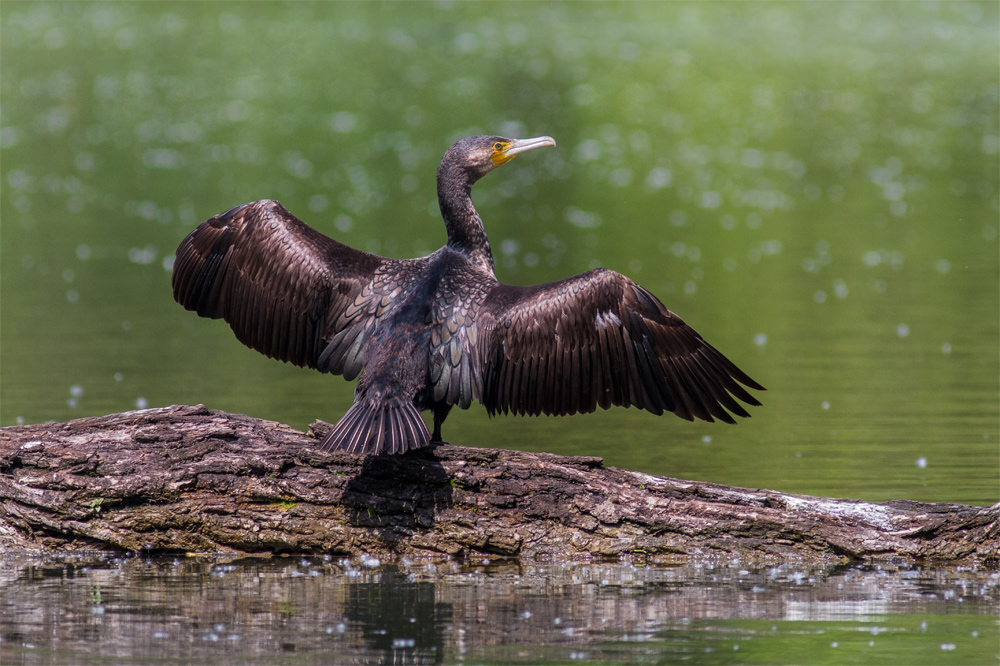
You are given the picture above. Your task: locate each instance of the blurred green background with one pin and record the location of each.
(812, 186)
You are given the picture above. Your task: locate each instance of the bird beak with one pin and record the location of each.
(517, 146)
(522, 145)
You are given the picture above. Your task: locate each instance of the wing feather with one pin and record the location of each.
(596, 340)
(282, 286)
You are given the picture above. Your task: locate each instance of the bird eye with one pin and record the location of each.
(498, 146)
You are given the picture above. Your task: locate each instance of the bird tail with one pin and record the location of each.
(375, 427)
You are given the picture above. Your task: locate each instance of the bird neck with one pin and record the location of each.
(466, 232)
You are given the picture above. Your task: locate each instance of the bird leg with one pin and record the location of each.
(440, 414)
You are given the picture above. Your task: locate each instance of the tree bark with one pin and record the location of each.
(190, 479)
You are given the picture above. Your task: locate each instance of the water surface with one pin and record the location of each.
(89, 610)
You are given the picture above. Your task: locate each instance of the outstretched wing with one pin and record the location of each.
(600, 339)
(284, 288)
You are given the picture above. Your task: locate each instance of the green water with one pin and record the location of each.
(814, 187)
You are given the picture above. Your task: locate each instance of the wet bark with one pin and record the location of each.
(189, 479)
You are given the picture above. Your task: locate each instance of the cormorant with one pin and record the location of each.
(439, 331)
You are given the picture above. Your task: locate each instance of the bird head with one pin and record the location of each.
(479, 155)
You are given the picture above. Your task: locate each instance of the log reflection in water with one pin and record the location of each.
(85, 607)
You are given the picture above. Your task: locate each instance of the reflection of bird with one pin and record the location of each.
(439, 331)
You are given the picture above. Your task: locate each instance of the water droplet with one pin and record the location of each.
(143, 256)
(659, 178)
(318, 203)
(990, 144)
(85, 161)
(620, 177)
(582, 218)
(125, 38)
(409, 183)
(343, 223)
(17, 179)
(711, 199)
(162, 158)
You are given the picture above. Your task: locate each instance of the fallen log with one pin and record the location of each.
(190, 479)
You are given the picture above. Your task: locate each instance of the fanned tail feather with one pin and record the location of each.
(372, 428)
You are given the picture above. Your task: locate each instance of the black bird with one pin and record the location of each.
(439, 331)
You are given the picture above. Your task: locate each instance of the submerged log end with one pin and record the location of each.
(190, 479)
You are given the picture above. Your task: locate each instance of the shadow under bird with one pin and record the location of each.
(439, 331)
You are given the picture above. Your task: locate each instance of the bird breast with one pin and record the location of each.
(455, 332)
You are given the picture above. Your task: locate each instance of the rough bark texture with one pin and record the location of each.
(190, 479)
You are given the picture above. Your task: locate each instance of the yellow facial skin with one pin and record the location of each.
(499, 156)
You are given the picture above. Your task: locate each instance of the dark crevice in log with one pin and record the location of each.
(190, 479)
